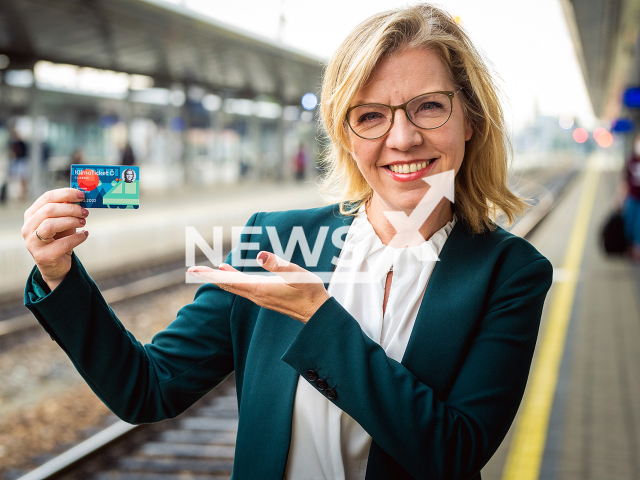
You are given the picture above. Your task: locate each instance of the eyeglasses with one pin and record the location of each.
(426, 111)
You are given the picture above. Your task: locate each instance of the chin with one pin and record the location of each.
(408, 201)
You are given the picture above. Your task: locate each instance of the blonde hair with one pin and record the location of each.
(481, 192)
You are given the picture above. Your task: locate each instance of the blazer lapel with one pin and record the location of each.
(330, 250)
(270, 384)
(448, 313)
(268, 391)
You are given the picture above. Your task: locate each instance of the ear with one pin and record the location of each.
(468, 130)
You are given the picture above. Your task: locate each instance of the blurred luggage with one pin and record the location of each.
(613, 237)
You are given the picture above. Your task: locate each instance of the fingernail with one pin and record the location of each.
(82, 221)
(85, 212)
(86, 233)
(80, 194)
(262, 258)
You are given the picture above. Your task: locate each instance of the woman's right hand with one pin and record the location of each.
(56, 220)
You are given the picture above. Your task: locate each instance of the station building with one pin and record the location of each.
(198, 102)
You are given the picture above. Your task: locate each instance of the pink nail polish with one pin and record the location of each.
(85, 212)
(82, 221)
(80, 194)
(262, 258)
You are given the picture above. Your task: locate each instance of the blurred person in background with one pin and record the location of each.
(18, 162)
(414, 372)
(4, 177)
(628, 201)
(245, 166)
(77, 157)
(45, 155)
(300, 163)
(128, 158)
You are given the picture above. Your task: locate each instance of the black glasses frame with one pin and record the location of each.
(393, 108)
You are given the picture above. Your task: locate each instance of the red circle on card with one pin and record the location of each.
(88, 180)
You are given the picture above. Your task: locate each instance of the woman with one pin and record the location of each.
(395, 367)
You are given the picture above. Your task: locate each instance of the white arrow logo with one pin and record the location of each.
(408, 226)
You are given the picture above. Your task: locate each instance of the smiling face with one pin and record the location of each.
(128, 176)
(396, 79)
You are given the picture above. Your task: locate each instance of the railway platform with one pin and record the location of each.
(580, 417)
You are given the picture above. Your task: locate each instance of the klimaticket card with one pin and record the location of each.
(107, 186)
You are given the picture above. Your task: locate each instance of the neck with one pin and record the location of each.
(440, 216)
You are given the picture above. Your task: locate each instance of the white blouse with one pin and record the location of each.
(326, 443)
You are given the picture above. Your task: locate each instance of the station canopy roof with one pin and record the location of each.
(149, 37)
(605, 36)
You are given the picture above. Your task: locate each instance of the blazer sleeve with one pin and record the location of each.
(428, 437)
(139, 383)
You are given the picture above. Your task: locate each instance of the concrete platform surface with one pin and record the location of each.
(591, 429)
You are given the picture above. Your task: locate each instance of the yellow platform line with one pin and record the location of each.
(527, 446)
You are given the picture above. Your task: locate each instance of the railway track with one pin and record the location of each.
(201, 444)
(112, 295)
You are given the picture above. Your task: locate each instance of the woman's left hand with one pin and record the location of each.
(293, 291)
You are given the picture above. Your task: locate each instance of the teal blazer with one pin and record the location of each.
(439, 414)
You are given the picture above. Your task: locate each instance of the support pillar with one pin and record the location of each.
(283, 162)
(38, 131)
